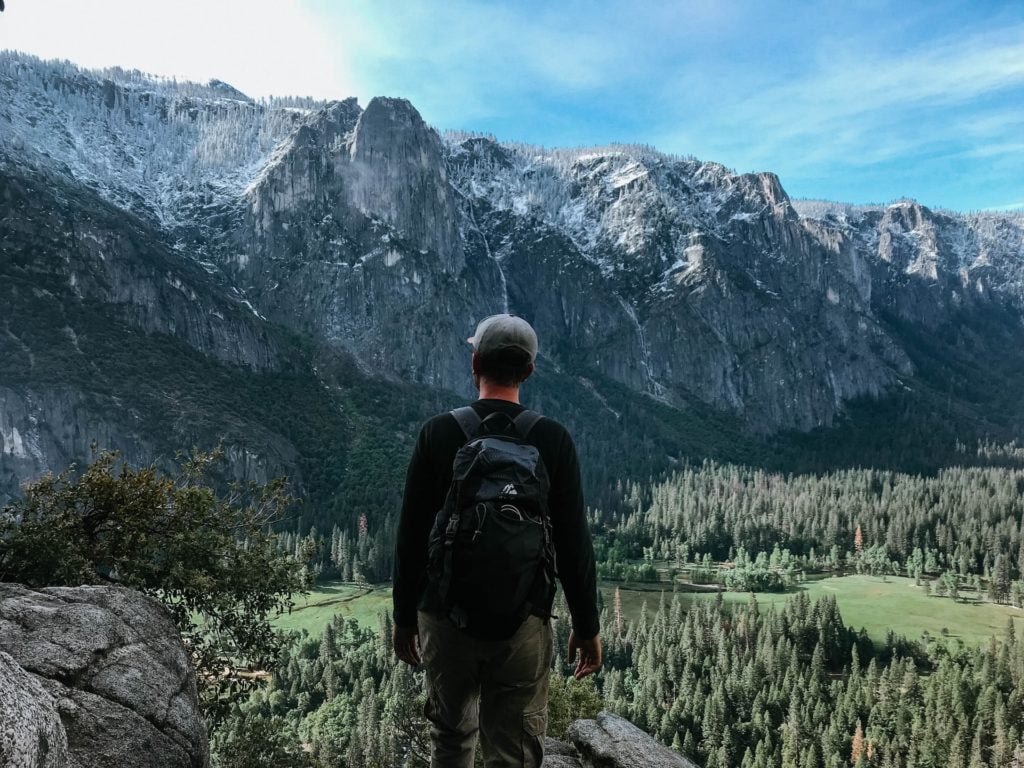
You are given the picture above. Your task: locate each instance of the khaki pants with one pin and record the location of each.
(498, 688)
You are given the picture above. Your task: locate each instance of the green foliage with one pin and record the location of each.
(745, 685)
(570, 699)
(252, 741)
(210, 558)
(755, 578)
(961, 518)
(347, 698)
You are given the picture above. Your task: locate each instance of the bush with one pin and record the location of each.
(570, 699)
(211, 558)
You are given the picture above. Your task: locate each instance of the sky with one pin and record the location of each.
(861, 102)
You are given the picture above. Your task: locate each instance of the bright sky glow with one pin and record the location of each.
(860, 102)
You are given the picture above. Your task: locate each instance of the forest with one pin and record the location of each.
(727, 683)
(741, 686)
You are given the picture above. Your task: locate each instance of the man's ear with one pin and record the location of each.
(529, 371)
(475, 364)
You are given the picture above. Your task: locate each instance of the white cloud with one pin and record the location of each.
(259, 46)
(863, 107)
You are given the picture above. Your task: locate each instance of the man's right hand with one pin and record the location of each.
(589, 654)
(406, 641)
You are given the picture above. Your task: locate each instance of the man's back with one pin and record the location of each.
(427, 483)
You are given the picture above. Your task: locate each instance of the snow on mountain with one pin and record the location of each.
(155, 147)
(984, 249)
(622, 203)
(619, 197)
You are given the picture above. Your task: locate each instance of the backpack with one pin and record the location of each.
(490, 556)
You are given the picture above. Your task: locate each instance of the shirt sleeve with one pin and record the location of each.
(574, 550)
(417, 517)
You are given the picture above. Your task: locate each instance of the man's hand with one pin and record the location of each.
(589, 654)
(406, 641)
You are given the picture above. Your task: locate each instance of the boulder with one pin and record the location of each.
(32, 735)
(111, 663)
(558, 754)
(612, 742)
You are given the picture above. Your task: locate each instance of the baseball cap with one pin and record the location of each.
(504, 332)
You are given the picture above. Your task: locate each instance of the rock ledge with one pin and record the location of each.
(609, 741)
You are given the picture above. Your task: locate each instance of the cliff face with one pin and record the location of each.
(351, 233)
(718, 290)
(100, 314)
(191, 213)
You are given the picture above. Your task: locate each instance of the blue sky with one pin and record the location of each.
(852, 101)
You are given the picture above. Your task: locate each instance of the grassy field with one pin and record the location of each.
(312, 612)
(868, 602)
(865, 601)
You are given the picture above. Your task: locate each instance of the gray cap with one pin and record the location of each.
(504, 332)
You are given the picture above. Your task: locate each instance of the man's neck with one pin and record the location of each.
(490, 391)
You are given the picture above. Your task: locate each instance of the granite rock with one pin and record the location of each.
(111, 663)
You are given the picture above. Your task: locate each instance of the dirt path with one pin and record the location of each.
(334, 601)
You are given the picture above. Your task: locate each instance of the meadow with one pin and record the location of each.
(362, 603)
(865, 602)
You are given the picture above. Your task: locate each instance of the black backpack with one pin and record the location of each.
(491, 561)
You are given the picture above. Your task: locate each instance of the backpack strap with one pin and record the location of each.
(468, 419)
(526, 421)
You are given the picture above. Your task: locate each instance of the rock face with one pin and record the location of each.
(610, 742)
(110, 663)
(351, 233)
(85, 288)
(32, 735)
(192, 212)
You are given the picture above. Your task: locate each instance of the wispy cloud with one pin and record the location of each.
(869, 108)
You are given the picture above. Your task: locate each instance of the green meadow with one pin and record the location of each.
(865, 602)
(360, 603)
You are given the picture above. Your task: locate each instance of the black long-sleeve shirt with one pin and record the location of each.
(426, 485)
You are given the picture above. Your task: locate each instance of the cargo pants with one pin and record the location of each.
(495, 688)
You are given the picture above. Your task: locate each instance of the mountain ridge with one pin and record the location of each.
(379, 242)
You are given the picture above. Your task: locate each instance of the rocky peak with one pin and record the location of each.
(398, 175)
(227, 90)
(907, 239)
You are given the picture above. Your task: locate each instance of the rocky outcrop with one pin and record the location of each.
(609, 741)
(110, 662)
(32, 735)
(398, 175)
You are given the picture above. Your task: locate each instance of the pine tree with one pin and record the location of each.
(857, 747)
(617, 607)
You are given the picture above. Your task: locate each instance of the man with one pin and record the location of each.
(492, 683)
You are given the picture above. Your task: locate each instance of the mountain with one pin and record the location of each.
(182, 265)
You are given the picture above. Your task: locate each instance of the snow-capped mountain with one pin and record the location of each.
(193, 212)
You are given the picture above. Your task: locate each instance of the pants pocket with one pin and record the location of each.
(535, 726)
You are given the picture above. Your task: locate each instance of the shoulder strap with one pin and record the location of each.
(468, 419)
(526, 421)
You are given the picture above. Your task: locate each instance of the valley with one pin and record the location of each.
(815, 403)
